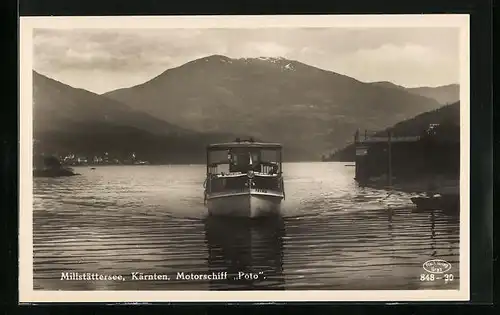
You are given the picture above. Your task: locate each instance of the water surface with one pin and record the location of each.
(334, 235)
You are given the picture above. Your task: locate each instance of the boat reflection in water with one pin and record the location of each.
(250, 251)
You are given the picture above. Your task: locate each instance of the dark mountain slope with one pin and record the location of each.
(57, 106)
(448, 118)
(75, 120)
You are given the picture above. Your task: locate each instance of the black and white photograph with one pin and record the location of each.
(247, 158)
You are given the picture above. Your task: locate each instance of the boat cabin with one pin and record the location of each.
(241, 165)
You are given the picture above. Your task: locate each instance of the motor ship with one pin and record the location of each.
(244, 178)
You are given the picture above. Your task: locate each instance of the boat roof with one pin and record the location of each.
(244, 144)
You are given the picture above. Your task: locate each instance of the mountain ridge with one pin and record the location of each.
(444, 94)
(96, 108)
(279, 99)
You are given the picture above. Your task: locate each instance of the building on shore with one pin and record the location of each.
(436, 152)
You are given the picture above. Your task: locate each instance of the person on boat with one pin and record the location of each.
(274, 169)
(255, 163)
(231, 161)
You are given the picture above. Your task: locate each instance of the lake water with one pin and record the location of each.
(333, 235)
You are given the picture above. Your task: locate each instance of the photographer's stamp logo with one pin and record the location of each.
(436, 266)
(437, 269)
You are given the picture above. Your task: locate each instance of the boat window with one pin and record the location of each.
(255, 157)
(270, 155)
(271, 161)
(218, 157)
(242, 160)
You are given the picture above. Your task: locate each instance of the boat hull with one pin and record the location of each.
(251, 204)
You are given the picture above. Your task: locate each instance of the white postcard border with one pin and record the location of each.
(27, 24)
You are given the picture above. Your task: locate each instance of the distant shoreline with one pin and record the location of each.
(188, 164)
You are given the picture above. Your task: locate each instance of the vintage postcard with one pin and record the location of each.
(244, 158)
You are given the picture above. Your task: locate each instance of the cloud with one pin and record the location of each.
(398, 54)
(126, 56)
(106, 50)
(268, 49)
(408, 65)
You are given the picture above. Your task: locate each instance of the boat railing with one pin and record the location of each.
(269, 168)
(240, 174)
(268, 183)
(221, 184)
(266, 175)
(226, 175)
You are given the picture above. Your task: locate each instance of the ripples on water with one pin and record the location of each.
(333, 234)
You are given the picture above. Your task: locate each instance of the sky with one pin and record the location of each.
(101, 60)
